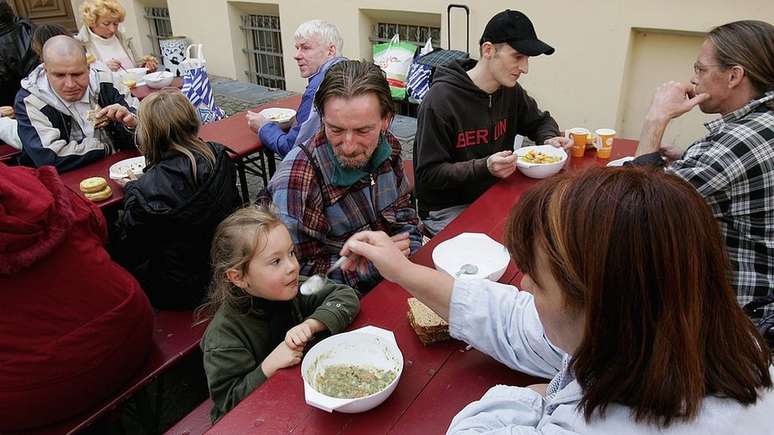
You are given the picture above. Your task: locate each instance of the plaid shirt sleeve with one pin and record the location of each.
(709, 168)
(733, 169)
(297, 196)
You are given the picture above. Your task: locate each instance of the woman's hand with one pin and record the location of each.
(282, 356)
(113, 64)
(378, 248)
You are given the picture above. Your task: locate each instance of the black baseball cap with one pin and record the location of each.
(517, 30)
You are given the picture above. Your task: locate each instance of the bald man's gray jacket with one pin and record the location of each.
(52, 132)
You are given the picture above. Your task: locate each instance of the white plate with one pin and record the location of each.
(278, 114)
(119, 170)
(621, 161)
(490, 257)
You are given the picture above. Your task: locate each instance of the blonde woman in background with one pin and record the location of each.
(103, 39)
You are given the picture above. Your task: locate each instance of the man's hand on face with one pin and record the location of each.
(115, 113)
(256, 121)
(501, 164)
(673, 99)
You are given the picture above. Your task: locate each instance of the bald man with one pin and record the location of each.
(68, 114)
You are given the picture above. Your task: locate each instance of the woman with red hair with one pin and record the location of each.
(626, 306)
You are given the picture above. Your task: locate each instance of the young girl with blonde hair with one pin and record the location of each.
(171, 212)
(261, 323)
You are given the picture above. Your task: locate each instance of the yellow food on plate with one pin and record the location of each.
(539, 157)
(130, 83)
(93, 185)
(90, 58)
(101, 195)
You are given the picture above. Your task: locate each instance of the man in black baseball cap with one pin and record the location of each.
(517, 30)
(469, 118)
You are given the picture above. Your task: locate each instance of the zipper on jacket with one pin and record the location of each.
(491, 121)
(372, 222)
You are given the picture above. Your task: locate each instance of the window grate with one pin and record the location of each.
(263, 48)
(160, 27)
(417, 35)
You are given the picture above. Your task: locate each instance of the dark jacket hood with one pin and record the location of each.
(455, 73)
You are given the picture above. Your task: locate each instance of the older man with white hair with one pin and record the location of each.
(318, 47)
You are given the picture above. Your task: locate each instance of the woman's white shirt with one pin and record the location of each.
(501, 321)
(110, 48)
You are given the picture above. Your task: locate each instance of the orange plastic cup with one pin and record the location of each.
(604, 142)
(578, 136)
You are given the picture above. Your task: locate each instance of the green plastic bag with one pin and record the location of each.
(395, 58)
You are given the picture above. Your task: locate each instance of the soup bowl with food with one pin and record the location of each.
(282, 116)
(352, 372)
(540, 161)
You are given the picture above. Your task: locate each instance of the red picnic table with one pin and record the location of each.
(8, 152)
(437, 380)
(232, 132)
(242, 142)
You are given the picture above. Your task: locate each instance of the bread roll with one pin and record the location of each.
(93, 185)
(100, 195)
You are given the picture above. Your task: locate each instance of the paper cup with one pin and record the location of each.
(604, 142)
(578, 136)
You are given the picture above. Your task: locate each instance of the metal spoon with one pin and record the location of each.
(316, 282)
(467, 269)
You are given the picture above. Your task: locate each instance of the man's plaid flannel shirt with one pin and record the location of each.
(321, 218)
(733, 168)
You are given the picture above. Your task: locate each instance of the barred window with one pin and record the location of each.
(160, 26)
(263, 48)
(418, 35)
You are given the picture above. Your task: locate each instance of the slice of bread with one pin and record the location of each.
(428, 325)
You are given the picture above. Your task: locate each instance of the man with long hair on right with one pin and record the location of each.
(732, 167)
(626, 306)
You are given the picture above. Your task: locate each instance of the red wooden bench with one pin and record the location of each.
(174, 337)
(195, 423)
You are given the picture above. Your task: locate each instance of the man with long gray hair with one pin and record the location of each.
(733, 165)
(318, 47)
(348, 178)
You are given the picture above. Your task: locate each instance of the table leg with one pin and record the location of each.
(270, 161)
(240, 164)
